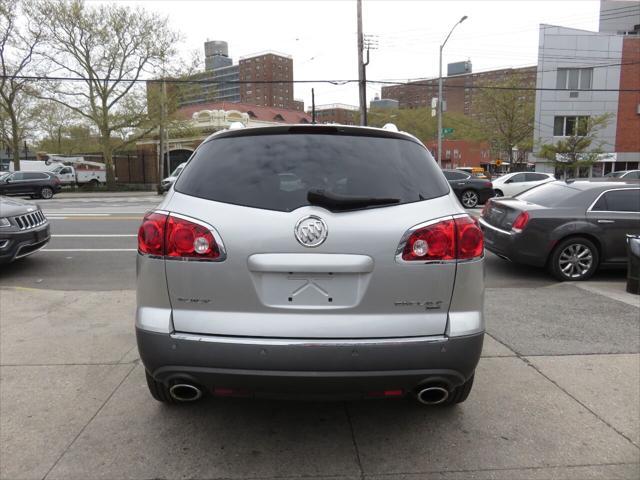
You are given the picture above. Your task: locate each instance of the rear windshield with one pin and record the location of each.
(275, 172)
(556, 194)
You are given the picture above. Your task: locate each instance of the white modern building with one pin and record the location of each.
(580, 75)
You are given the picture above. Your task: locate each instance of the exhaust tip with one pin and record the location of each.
(185, 392)
(432, 395)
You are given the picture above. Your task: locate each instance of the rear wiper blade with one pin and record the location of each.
(334, 201)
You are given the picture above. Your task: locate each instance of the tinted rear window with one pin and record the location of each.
(552, 195)
(275, 172)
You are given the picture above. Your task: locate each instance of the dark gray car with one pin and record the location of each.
(572, 227)
(23, 229)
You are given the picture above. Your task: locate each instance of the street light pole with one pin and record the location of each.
(440, 102)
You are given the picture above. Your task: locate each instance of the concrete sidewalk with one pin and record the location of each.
(557, 397)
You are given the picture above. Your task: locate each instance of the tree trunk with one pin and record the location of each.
(107, 154)
(15, 144)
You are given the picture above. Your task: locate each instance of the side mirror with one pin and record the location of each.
(8, 180)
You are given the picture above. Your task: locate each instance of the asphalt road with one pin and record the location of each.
(93, 247)
(556, 392)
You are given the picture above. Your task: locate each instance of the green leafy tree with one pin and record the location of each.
(109, 48)
(420, 123)
(582, 149)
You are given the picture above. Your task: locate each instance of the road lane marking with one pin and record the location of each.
(89, 250)
(80, 214)
(83, 235)
(64, 217)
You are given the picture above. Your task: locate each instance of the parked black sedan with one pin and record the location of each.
(23, 229)
(571, 227)
(470, 190)
(35, 184)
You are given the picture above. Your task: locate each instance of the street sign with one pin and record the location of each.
(447, 131)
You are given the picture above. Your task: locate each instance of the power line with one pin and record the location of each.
(421, 82)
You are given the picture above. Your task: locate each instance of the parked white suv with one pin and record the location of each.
(326, 261)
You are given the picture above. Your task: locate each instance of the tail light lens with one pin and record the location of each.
(520, 222)
(187, 239)
(469, 239)
(151, 234)
(456, 239)
(177, 238)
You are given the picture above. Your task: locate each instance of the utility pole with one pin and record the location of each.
(440, 100)
(313, 106)
(362, 81)
(161, 143)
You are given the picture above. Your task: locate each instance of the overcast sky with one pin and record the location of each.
(321, 35)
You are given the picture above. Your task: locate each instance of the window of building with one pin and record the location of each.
(570, 126)
(574, 78)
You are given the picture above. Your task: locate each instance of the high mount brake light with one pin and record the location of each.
(459, 238)
(174, 237)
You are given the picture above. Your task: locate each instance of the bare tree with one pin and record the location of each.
(20, 36)
(109, 49)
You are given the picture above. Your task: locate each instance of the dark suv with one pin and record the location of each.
(35, 184)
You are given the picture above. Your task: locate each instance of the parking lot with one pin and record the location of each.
(557, 392)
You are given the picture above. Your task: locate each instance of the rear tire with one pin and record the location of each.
(94, 183)
(574, 259)
(469, 199)
(46, 193)
(158, 390)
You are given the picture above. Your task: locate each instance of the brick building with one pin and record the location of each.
(628, 125)
(462, 153)
(222, 81)
(336, 113)
(458, 90)
(268, 67)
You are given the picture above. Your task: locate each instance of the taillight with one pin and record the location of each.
(469, 239)
(176, 237)
(433, 242)
(520, 222)
(186, 239)
(456, 239)
(151, 234)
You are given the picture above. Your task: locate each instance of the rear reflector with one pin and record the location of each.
(448, 240)
(520, 222)
(386, 393)
(176, 237)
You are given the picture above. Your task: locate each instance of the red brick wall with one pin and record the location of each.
(628, 122)
(461, 153)
(268, 67)
(459, 95)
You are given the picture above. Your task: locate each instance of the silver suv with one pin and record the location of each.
(322, 261)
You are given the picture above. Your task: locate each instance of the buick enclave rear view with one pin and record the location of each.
(310, 261)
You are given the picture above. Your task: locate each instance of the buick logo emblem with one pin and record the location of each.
(311, 231)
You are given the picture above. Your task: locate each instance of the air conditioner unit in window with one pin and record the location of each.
(573, 94)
